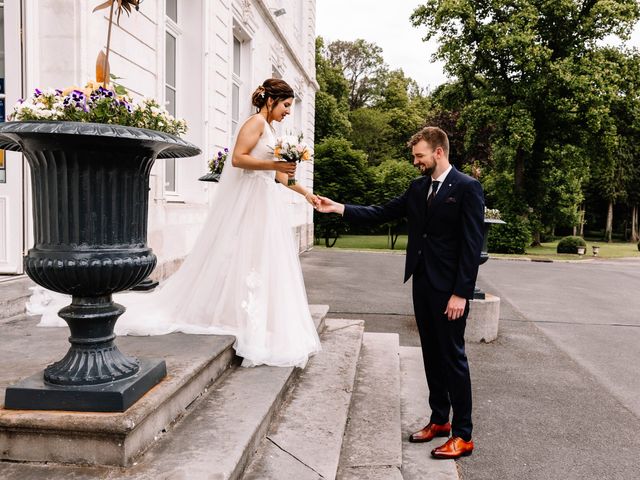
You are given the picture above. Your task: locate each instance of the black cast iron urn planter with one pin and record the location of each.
(90, 187)
(484, 255)
(210, 177)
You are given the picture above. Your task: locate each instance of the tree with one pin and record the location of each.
(330, 120)
(370, 133)
(332, 100)
(406, 108)
(361, 63)
(615, 170)
(390, 179)
(525, 71)
(340, 173)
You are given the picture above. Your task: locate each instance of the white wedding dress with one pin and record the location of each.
(243, 277)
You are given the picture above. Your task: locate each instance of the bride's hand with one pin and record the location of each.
(286, 167)
(312, 199)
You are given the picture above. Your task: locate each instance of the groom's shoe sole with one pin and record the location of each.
(431, 431)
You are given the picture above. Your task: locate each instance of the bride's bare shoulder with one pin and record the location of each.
(255, 124)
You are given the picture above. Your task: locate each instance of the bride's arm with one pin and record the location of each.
(308, 195)
(247, 139)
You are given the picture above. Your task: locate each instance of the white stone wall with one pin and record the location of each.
(63, 38)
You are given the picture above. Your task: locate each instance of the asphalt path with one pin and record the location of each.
(557, 395)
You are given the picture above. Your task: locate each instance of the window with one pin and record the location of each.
(170, 89)
(237, 82)
(237, 51)
(172, 10)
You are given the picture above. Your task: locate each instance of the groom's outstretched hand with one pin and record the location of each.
(326, 205)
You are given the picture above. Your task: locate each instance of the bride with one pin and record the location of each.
(243, 277)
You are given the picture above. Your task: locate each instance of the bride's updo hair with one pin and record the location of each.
(274, 88)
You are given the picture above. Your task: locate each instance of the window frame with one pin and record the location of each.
(174, 30)
(236, 83)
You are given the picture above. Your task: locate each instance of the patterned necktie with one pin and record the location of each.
(434, 189)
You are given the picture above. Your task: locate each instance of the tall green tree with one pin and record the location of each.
(615, 167)
(362, 65)
(370, 133)
(521, 70)
(406, 107)
(332, 100)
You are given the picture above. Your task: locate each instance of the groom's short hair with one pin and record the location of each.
(434, 136)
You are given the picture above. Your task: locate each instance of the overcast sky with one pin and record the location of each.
(387, 25)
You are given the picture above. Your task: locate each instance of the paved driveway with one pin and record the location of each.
(557, 396)
(591, 311)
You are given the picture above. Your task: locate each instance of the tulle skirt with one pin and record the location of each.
(243, 278)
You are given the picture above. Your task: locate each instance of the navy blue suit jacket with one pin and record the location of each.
(447, 237)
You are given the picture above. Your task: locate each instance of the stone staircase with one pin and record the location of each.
(14, 292)
(346, 416)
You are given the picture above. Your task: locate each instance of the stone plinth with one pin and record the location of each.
(193, 362)
(482, 322)
(86, 438)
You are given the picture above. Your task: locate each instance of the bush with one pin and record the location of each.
(570, 244)
(342, 174)
(514, 237)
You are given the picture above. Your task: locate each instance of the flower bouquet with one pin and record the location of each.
(290, 148)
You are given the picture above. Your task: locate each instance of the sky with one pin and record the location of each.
(388, 26)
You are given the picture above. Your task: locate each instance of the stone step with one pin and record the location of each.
(372, 446)
(305, 439)
(193, 363)
(417, 463)
(215, 432)
(14, 292)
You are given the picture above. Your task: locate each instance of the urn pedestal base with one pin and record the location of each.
(33, 393)
(483, 319)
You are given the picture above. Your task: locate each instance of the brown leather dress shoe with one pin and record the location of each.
(429, 432)
(455, 447)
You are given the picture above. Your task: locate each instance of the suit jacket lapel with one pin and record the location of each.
(422, 195)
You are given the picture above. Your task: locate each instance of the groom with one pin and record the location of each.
(445, 213)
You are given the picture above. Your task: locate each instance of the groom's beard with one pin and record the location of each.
(426, 171)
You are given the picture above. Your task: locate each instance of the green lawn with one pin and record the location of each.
(607, 250)
(546, 250)
(367, 242)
